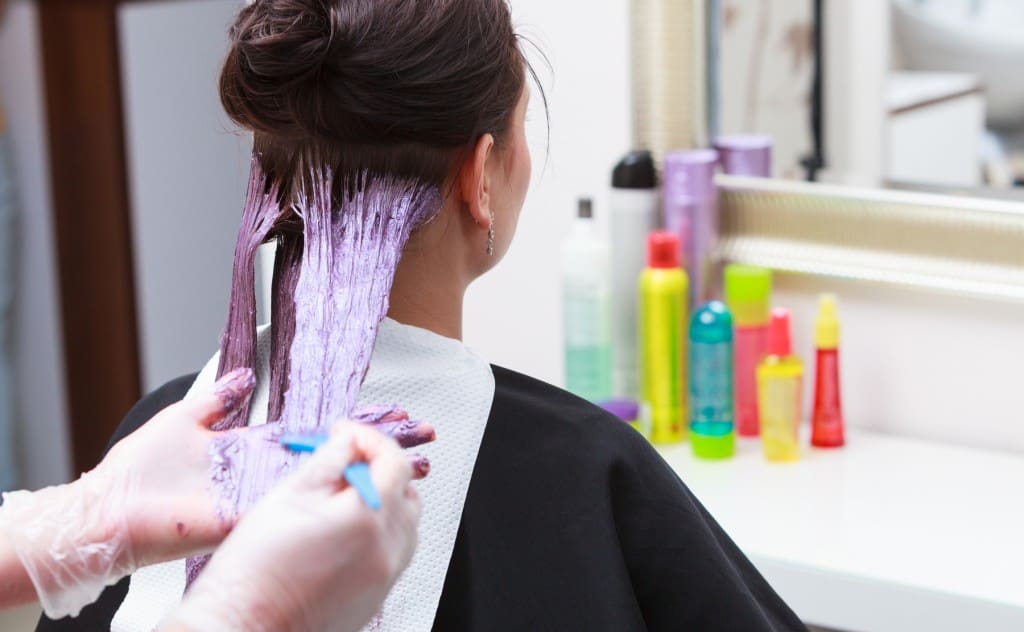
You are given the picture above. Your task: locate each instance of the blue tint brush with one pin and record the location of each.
(357, 474)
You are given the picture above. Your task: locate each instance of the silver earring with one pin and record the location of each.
(490, 237)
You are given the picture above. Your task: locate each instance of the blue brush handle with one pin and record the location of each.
(357, 474)
(303, 443)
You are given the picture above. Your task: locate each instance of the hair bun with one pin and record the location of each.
(400, 86)
(279, 52)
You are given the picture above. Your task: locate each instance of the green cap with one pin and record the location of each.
(709, 447)
(748, 293)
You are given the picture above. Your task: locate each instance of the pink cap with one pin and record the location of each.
(779, 343)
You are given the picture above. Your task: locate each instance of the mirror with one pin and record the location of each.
(916, 94)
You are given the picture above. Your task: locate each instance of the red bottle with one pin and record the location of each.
(827, 421)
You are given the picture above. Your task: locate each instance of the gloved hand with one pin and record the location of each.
(311, 555)
(395, 422)
(247, 466)
(147, 502)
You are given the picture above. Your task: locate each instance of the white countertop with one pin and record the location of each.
(885, 534)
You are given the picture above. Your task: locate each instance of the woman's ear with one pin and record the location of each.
(475, 183)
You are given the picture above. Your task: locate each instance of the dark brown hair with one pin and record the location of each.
(398, 86)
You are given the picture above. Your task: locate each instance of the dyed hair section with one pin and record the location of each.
(331, 293)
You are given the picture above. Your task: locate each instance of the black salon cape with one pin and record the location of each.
(572, 522)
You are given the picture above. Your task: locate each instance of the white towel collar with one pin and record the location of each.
(434, 378)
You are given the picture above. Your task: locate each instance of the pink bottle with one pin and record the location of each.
(748, 293)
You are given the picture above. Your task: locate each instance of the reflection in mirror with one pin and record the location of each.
(919, 94)
(765, 77)
(956, 74)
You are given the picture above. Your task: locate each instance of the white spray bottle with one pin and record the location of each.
(586, 296)
(634, 211)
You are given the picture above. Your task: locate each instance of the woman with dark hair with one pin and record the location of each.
(541, 511)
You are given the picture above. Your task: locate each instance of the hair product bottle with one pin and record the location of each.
(745, 155)
(827, 422)
(628, 411)
(711, 396)
(691, 212)
(586, 297)
(663, 290)
(780, 393)
(632, 214)
(748, 293)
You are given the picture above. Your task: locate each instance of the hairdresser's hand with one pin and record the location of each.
(172, 511)
(311, 555)
(148, 501)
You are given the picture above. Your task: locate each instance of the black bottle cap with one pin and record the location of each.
(635, 171)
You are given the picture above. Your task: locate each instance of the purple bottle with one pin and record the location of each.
(745, 155)
(691, 211)
(627, 410)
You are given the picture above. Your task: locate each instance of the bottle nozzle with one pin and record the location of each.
(585, 210)
(779, 343)
(826, 327)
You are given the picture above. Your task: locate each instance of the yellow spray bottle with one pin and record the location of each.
(662, 340)
(780, 392)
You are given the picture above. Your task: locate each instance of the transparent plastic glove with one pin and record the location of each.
(148, 501)
(249, 465)
(311, 555)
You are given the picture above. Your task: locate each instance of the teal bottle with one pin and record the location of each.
(711, 389)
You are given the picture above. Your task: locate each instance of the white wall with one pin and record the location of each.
(187, 176)
(41, 406)
(512, 315)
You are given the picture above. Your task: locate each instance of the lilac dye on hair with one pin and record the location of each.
(348, 266)
(238, 344)
(282, 315)
(338, 286)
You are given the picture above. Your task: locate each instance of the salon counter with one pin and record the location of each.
(887, 533)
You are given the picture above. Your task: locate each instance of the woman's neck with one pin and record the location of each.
(420, 297)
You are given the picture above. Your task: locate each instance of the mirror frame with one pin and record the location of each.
(967, 246)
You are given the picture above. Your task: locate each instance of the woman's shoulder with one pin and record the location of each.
(610, 524)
